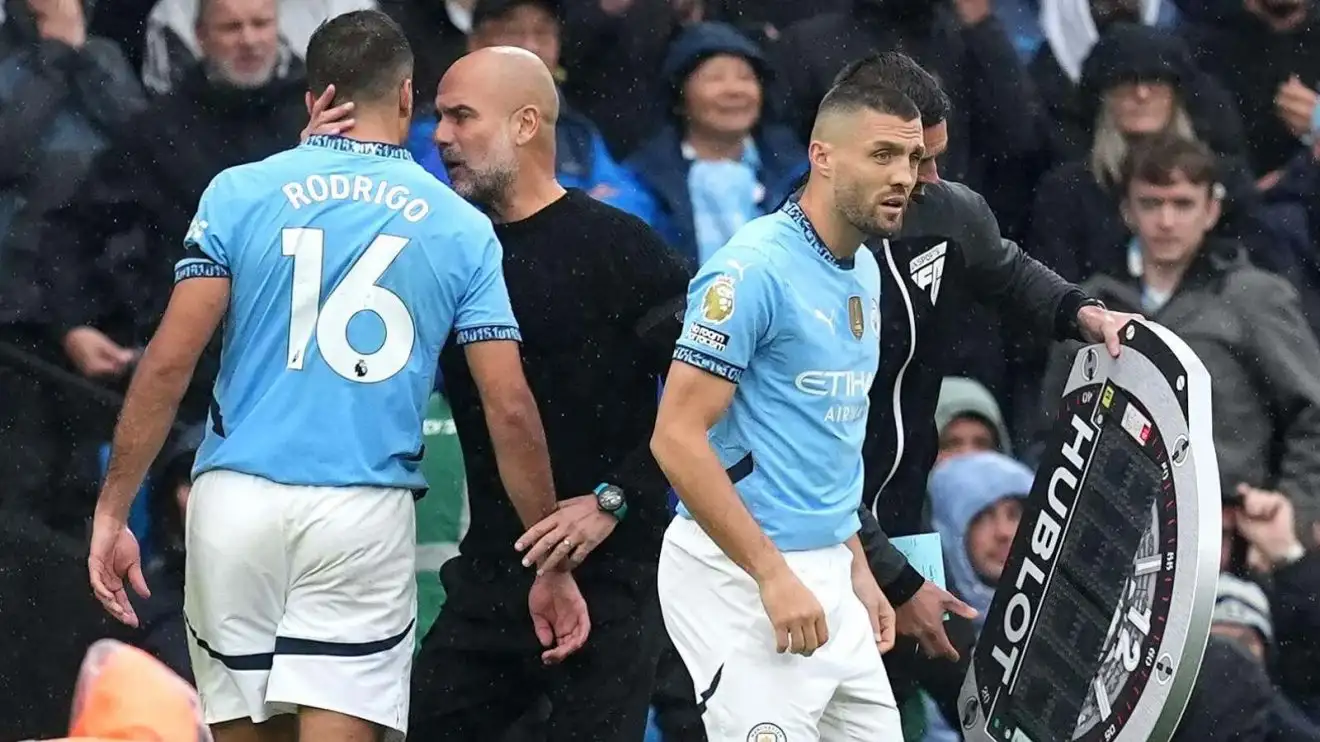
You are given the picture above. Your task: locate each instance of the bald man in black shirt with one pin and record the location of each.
(597, 295)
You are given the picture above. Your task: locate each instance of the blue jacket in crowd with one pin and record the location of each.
(660, 167)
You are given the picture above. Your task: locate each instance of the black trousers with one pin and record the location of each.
(474, 681)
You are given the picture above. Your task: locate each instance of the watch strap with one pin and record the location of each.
(618, 512)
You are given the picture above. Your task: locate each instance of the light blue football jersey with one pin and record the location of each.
(798, 331)
(350, 266)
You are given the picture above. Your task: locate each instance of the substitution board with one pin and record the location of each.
(1097, 629)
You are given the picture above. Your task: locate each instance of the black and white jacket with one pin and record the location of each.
(948, 254)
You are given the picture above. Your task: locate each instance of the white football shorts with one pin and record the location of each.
(747, 690)
(300, 596)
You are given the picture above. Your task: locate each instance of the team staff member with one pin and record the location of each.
(760, 430)
(948, 252)
(591, 286)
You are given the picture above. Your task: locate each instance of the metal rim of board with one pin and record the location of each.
(1190, 444)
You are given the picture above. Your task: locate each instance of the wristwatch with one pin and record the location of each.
(610, 499)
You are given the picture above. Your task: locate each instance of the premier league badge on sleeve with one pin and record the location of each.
(718, 302)
(1098, 627)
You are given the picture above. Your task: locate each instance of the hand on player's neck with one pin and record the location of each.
(368, 128)
(533, 190)
(841, 238)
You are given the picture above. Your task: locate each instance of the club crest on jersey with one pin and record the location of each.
(767, 732)
(718, 303)
(856, 318)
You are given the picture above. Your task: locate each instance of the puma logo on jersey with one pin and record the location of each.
(927, 270)
(828, 319)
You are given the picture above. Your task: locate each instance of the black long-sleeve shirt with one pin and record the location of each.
(595, 292)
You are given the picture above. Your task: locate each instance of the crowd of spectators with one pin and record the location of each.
(1164, 154)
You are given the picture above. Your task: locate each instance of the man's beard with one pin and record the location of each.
(850, 203)
(223, 72)
(487, 188)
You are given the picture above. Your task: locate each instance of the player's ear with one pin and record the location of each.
(309, 100)
(819, 155)
(406, 99)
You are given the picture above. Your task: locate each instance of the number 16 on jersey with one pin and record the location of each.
(357, 292)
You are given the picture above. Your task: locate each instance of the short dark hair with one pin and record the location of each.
(850, 96)
(363, 53)
(902, 73)
(1163, 160)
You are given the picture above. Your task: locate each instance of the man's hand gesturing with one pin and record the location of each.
(922, 617)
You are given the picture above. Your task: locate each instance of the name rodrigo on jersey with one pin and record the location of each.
(337, 187)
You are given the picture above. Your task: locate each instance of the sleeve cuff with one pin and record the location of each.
(484, 333)
(1065, 321)
(708, 363)
(195, 268)
(901, 589)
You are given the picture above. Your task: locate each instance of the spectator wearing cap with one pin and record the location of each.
(174, 44)
(968, 419)
(1242, 613)
(582, 160)
(1242, 616)
(1138, 81)
(717, 163)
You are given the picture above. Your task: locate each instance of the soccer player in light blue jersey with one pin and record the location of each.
(340, 269)
(764, 587)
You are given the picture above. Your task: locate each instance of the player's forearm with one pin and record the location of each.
(704, 487)
(854, 544)
(144, 424)
(523, 458)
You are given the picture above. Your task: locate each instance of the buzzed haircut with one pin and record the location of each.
(849, 97)
(364, 54)
(902, 73)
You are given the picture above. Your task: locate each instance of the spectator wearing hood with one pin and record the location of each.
(582, 160)
(976, 502)
(112, 246)
(1137, 82)
(717, 164)
(64, 97)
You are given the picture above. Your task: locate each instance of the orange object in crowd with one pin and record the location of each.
(126, 695)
